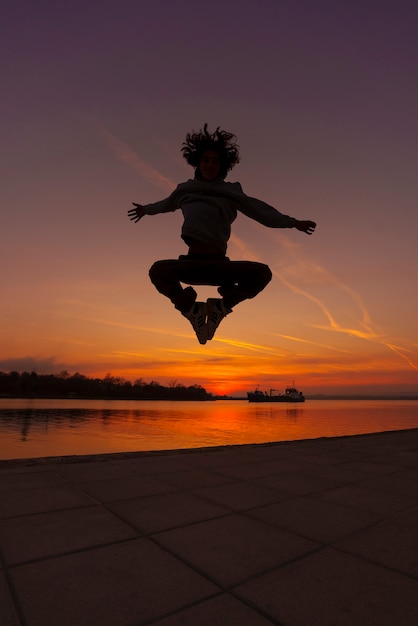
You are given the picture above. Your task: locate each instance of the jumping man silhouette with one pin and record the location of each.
(209, 206)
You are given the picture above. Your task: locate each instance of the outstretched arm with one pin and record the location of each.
(305, 226)
(263, 212)
(136, 213)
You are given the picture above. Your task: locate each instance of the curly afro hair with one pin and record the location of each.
(220, 141)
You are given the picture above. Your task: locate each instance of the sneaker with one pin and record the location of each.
(197, 318)
(217, 310)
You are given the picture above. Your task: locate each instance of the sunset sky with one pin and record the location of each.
(96, 100)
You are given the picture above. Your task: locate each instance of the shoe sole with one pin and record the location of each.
(202, 331)
(211, 306)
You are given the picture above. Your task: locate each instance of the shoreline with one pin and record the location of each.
(111, 456)
(215, 398)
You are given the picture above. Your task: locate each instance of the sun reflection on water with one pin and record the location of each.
(35, 428)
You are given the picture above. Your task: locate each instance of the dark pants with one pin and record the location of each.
(236, 280)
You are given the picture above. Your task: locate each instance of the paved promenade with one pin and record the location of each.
(311, 533)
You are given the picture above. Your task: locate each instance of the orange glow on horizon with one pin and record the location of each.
(310, 382)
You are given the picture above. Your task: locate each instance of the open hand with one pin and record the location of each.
(306, 226)
(136, 213)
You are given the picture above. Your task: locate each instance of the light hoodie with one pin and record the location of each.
(209, 208)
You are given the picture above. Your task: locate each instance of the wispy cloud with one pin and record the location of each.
(366, 328)
(312, 343)
(404, 354)
(235, 343)
(32, 364)
(123, 152)
(123, 325)
(293, 274)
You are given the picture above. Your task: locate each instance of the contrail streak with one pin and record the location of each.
(126, 154)
(301, 267)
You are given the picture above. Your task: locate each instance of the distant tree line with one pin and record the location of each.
(64, 385)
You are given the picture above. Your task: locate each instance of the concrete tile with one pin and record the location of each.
(156, 464)
(367, 499)
(54, 498)
(89, 472)
(8, 614)
(212, 458)
(234, 548)
(393, 484)
(239, 496)
(370, 467)
(248, 471)
(119, 585)
(299, 483)
(236, 455)
(223, 610)
(391, 458)
(134, 486)
(47, 534)
(27, 480)
(217, 457)
(324, 459)
(392, 543)
(340, 474)
(318, 520)
(194, 478)
(329, 588)
(170, 510)
(411, 473)
(408, 458)
(323, 446)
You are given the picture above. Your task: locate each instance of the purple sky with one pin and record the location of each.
(96, 100)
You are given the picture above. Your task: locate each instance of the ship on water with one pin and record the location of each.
(291, 394)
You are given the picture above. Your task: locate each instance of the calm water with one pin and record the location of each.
(37, 428)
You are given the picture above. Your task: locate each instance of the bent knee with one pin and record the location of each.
(265, 273)
(155, 269)
(269, 273)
